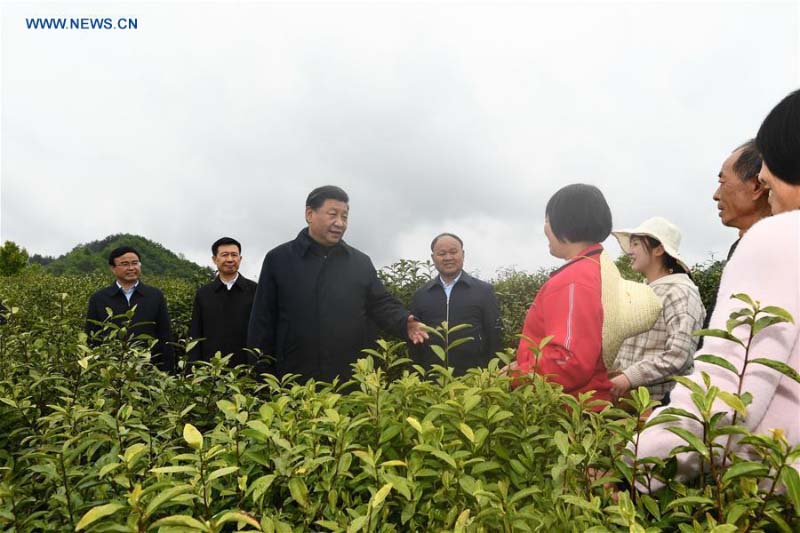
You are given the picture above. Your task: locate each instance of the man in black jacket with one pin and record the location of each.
(151, 316)
(222, 308)
(315, 294)
(457, 298)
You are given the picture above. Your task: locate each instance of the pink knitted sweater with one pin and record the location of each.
(766, 266)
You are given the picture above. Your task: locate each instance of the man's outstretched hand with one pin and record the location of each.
(416, 331)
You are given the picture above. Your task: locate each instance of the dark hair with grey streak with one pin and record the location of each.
(748, 164)
(318, 196)
(453, 235)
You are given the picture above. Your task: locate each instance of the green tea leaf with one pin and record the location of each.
(778, 311)
(414, 423)
(260, 486)
(701, 501)
(467, 431)
(357, 524)
(379, 496)
(733, 401)
(694, 441)
(299, 491)
(222, 472)
(719, 333)
(180, 520)
(744, 468)
(239, 516)
(562, 442)
(192, 437)
(716, 360)
(765, 322)
(96, 513)
(165, 496)
(444, 456)
(790, 479)
(462, 522)
(783, 368)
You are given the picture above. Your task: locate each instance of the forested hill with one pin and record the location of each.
(156, 259)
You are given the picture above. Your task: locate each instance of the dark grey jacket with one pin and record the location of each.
(311, 309)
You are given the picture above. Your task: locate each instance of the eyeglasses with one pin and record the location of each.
(127, 264)
(226, 255)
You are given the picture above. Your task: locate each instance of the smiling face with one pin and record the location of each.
(127, 268)
(644, 258)
(328, 222)
(227, 259)
(783, 196)
(448, 256)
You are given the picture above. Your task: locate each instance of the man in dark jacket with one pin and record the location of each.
(742, 200)
(457, 298)
(222, 308)
(151, 316)
(315, 294)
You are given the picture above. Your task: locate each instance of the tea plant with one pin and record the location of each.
(95, 438)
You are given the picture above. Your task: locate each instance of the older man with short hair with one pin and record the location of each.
(315, 295)
(457, 298)
(741, 199)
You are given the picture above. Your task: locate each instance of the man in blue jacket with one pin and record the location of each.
(457, 298)
(315, 295)
(151, 316)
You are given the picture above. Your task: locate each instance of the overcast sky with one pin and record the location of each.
(218, 119)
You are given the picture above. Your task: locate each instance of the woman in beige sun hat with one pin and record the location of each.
(653, 357)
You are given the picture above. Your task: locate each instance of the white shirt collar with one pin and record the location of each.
(455, 280)
(229, 284)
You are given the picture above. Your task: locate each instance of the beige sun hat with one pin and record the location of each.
(629, 308)
(659, 228)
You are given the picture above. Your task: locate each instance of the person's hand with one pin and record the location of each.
(416, 330)
(509, 369)
(620, 385)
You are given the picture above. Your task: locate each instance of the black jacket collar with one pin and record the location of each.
(437, 281)
(141, 288)
(217, 284)
(303, 242)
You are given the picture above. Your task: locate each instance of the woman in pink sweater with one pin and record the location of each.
(766, 266)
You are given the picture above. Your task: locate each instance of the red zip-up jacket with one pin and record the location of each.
(569, 307)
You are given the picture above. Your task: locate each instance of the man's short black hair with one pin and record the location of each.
(778, 139)
(579, 213)
(224, 241)
(453, 235)
(119, 252)
(318, 196)
(748, 164)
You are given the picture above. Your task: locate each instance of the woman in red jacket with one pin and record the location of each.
(568, 307)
